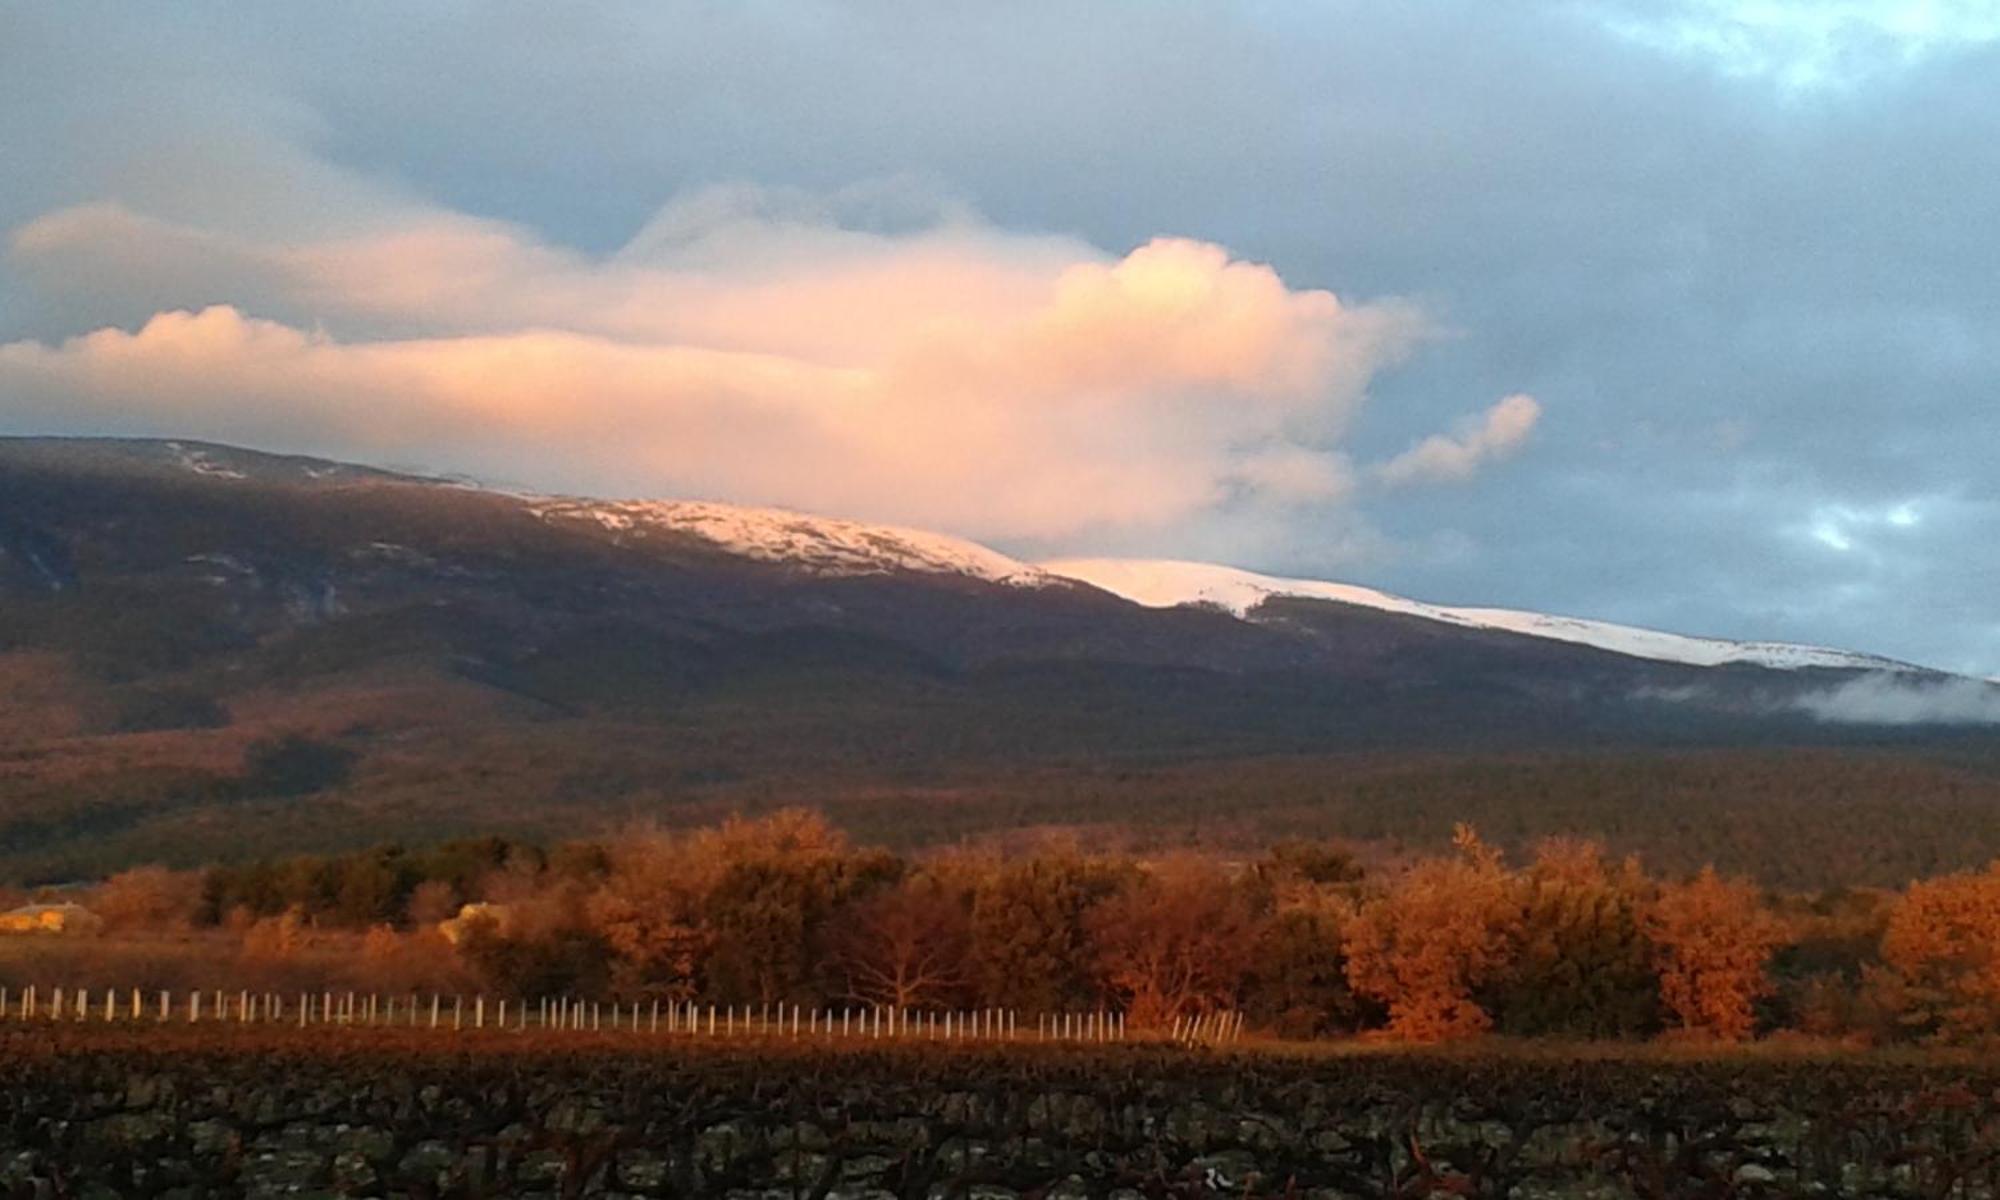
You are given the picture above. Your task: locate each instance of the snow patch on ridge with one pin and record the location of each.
(1166, 584)
(201, 462)
(822, 545)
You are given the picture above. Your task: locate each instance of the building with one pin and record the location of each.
(50, 918)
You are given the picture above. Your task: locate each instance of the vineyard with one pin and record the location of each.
(258, 1110)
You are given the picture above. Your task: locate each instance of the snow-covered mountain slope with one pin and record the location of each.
(825, 546)
(1166, 583)
(822, 545)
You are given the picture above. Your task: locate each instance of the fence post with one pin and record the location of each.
(434, 1010)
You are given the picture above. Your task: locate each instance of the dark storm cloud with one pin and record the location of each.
(1745, 265)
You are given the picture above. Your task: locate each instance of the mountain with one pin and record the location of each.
(208, 651)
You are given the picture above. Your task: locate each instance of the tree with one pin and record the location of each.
(1174, 942)
(372, 887)
(770, 886)
(1941, 951)
(433, 901)
(1439, 933)
(646, 899)
(1304, 893)
(276, 939)
(149, 897)
(1297, 983)
(1712, 940)
(1029, 943)
(1582, 965)
(907, 946)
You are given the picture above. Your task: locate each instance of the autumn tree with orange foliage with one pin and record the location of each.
(1176, 942)
(1712, 942)
(149, 897)
(1941, 955)
(647, 911)
(1442, 930)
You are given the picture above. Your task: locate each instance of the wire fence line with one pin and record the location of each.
(573, 1014)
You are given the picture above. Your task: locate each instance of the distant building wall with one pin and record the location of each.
(50, 918)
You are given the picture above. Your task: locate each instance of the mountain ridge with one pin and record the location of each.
(836, 546)
(472, 658)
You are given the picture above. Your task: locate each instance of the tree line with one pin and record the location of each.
(1567, 942)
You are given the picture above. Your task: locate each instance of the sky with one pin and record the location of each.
(1683, 313)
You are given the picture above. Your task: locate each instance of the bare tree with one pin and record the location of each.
(906, 946)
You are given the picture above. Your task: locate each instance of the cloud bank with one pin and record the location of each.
(746, 344)
(1884, 699)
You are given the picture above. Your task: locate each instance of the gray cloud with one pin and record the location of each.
(1889, 700)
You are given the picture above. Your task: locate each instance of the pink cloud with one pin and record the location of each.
(1443, 458)
(743, 346)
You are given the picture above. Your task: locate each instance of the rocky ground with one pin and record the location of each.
(249, 1112)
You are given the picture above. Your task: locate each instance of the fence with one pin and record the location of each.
(569, 1014)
